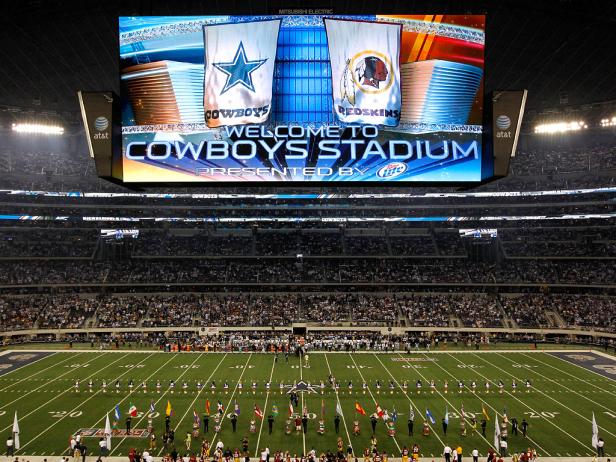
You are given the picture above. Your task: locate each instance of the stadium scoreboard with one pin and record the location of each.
(299, 99)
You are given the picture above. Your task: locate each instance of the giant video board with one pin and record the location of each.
(266, 99)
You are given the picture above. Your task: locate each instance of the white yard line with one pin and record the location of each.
(476, 395)
(373, 398)
(301, 378)
(83, 402)
(527, 406)
(346, 429)
(37, 388)
(265, 407)
(60, 394)
(567, 388)
(116, 446)
(409, 399)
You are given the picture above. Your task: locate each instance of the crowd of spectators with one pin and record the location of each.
(283, 309)
(145, 272)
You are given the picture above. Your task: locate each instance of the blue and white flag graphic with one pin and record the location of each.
(365, 62)
(239, 72)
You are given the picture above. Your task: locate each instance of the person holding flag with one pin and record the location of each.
(116, 418)
(169, 409)
(196, 424)
(446, 421)
(597, 442)
(236, 408)
(411, 421)
(426, 426)
(151, 417)
(132, 412)
(107, 435)
(12, 442)
(258, 412)
(497, 439)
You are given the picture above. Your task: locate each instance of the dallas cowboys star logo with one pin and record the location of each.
(301, 387)
(238, 71)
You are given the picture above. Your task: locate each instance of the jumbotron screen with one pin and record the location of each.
(304, 98)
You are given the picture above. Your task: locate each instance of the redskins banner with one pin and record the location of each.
(365, 67)
(239, 70)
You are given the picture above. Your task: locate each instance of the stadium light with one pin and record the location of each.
(38, 129)
(608, 122)
(560, 127)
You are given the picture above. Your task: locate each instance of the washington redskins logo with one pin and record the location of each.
(369, 72)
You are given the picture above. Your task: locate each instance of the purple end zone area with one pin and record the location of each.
(591, 361)
(16, 359)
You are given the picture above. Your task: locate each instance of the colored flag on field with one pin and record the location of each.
(116, 412)
(220, 407)
(595, 432)
(207, 406)
(305, 409)
(195, 417)
(258, 412)
(274, 410)
(505, 418)
(169, 410)
(484, 412)
(132, 410)
(430, 416)
(152, 409)
(411, 412)
(394, 415)
(496, 434)
(379, 411)
(107, 432)
(322, 409)
(446, 415)
(239, 72)
(291, 409)
(364, 58)
(16, 443)
(359, 409)
(338, 409)
(385, 415)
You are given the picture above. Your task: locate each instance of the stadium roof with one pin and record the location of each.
(558, 50)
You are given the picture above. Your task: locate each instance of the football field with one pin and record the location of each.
(567, 388)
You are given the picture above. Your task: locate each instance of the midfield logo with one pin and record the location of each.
(302, 387)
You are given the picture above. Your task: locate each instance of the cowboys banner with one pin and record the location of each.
(301, 98)
(239, 68)
(365, 59)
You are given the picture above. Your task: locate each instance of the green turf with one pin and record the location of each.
(558, 408)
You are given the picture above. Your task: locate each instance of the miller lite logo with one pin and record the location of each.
(391, 170)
